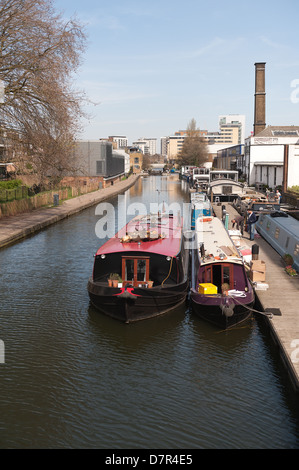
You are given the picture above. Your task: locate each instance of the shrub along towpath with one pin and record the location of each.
(17, 227)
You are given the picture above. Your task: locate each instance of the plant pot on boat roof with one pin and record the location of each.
(288, 259)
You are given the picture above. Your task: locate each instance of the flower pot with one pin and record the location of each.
(110, 282)
(115, 283)
(150, 284)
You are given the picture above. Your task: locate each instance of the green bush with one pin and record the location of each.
(11, 184)
(294, 189)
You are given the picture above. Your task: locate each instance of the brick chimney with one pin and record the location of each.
(259, 99)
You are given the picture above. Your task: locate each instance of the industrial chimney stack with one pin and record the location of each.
(260, 99)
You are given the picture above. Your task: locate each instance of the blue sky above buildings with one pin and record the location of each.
(150, 67)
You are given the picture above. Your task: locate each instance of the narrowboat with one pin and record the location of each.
(150, 256)
(281, 231)
(224, 185)
(201, 179)
(200, 206)
(221, 292)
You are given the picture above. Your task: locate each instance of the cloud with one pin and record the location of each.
(216, 42)
(271, 43)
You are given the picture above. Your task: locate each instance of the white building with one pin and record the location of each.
(272, 157)
(229, 121)
(121, 140)
(146, 145)
(141, 145)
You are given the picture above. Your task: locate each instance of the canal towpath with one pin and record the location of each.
(281, 297)
(14, 228)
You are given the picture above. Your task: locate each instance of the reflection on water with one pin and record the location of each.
(75, 378)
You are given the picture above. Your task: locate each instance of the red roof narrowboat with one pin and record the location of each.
(149, 260)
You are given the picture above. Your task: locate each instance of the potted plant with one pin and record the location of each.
(225, 288)
(290, 271)
(114, 277)
(288, 259)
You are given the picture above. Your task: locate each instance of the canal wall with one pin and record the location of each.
(14, 228)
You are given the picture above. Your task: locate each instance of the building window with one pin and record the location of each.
(100, 167)
(135, 270)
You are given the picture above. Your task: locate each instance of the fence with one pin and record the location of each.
(7, 195)
(17, 201)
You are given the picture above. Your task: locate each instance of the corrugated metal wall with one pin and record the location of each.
(98, 159)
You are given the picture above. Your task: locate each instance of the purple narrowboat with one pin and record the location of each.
(221, 292)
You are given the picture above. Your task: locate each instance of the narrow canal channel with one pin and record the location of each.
(73, 378)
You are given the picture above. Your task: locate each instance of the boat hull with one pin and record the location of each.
(135, 304)
(222, 312)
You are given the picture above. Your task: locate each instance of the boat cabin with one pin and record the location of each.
(219, 263)
(149, 251)
(282, 232)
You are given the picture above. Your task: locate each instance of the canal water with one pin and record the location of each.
(73, 378)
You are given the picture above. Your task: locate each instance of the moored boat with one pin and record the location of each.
(281, 231)
(200, 206)
(221, 292)
(151, 258)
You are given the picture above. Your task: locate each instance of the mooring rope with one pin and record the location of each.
(268, 315)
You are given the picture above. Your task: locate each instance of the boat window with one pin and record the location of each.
(296, 250)
(141, 270)
(129, 272)
(287, 242)
(135, 270)
(219, 274)
(208, 275)
(225, 274)
(277, 233)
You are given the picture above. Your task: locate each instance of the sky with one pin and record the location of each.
(152, 66)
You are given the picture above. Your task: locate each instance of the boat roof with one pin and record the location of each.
(226, 181)
(147, 234)
(287, 222)
(198, 197)
(216, 241)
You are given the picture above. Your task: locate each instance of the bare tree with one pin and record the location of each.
(195, 149)
(39, 54)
